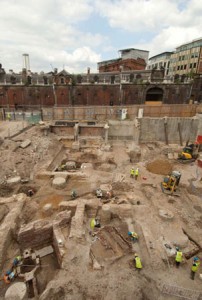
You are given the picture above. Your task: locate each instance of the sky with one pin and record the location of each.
(77, 34)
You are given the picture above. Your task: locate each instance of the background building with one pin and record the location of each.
(185, 60)
(160, 61)
(131, 59)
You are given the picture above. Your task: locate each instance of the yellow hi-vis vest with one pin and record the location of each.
(138, 263)
(132, 172)
(195, 266)
(134, 235)
(136, 172)
(178, 257)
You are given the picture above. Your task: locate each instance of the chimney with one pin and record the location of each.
(88, 71)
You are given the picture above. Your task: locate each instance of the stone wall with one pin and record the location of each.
(36, 234)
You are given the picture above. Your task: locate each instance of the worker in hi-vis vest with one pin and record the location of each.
(138, 263)
(178, 257)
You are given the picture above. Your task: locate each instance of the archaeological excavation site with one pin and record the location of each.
(100, 208)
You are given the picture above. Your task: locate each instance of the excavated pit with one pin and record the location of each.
(98, 263)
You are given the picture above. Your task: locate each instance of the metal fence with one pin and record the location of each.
(32, 117)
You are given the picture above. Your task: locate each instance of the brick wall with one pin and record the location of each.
(126, 64)
(93, 94)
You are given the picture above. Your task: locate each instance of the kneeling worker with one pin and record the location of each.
(133, 236)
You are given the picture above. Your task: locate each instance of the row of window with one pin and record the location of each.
(159, 65)
(186, 57)
(184, 67)
(190, 46)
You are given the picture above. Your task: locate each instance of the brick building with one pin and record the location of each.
(131, 59)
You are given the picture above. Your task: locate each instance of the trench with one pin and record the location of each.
(196, 251)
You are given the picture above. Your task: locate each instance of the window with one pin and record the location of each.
(45, 80)
(62, 81)
(178, 67)
(190, 66)
(180, 58)
(185, 66)
(194, 66)
(181, 67)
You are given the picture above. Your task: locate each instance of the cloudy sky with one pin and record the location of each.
(76, 34)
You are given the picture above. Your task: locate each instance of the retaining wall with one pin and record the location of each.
(153, 129)
(179, 130)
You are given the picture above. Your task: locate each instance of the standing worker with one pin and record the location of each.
(136, 173)
(195, 266)
(132, 172)
(138, 263)
(178, 257)
(8, 116)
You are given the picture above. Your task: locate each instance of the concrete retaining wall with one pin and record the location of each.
(122, 130)
(153, 129)
(148, 130)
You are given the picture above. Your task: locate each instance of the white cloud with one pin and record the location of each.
(51, 31)
(137, 15)
(47, 31)
(164, 24)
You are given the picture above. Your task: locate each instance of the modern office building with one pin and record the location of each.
(160, 61)
(187, 60)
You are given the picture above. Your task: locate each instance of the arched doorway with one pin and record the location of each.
(154, 96)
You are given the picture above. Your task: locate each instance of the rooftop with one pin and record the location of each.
(129, 49)
(162, 54)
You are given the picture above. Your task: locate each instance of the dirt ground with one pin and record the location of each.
(137, 205)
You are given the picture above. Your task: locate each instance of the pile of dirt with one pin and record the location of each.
(159, 166)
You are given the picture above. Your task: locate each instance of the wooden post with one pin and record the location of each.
(180, 133)
(166, 130)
